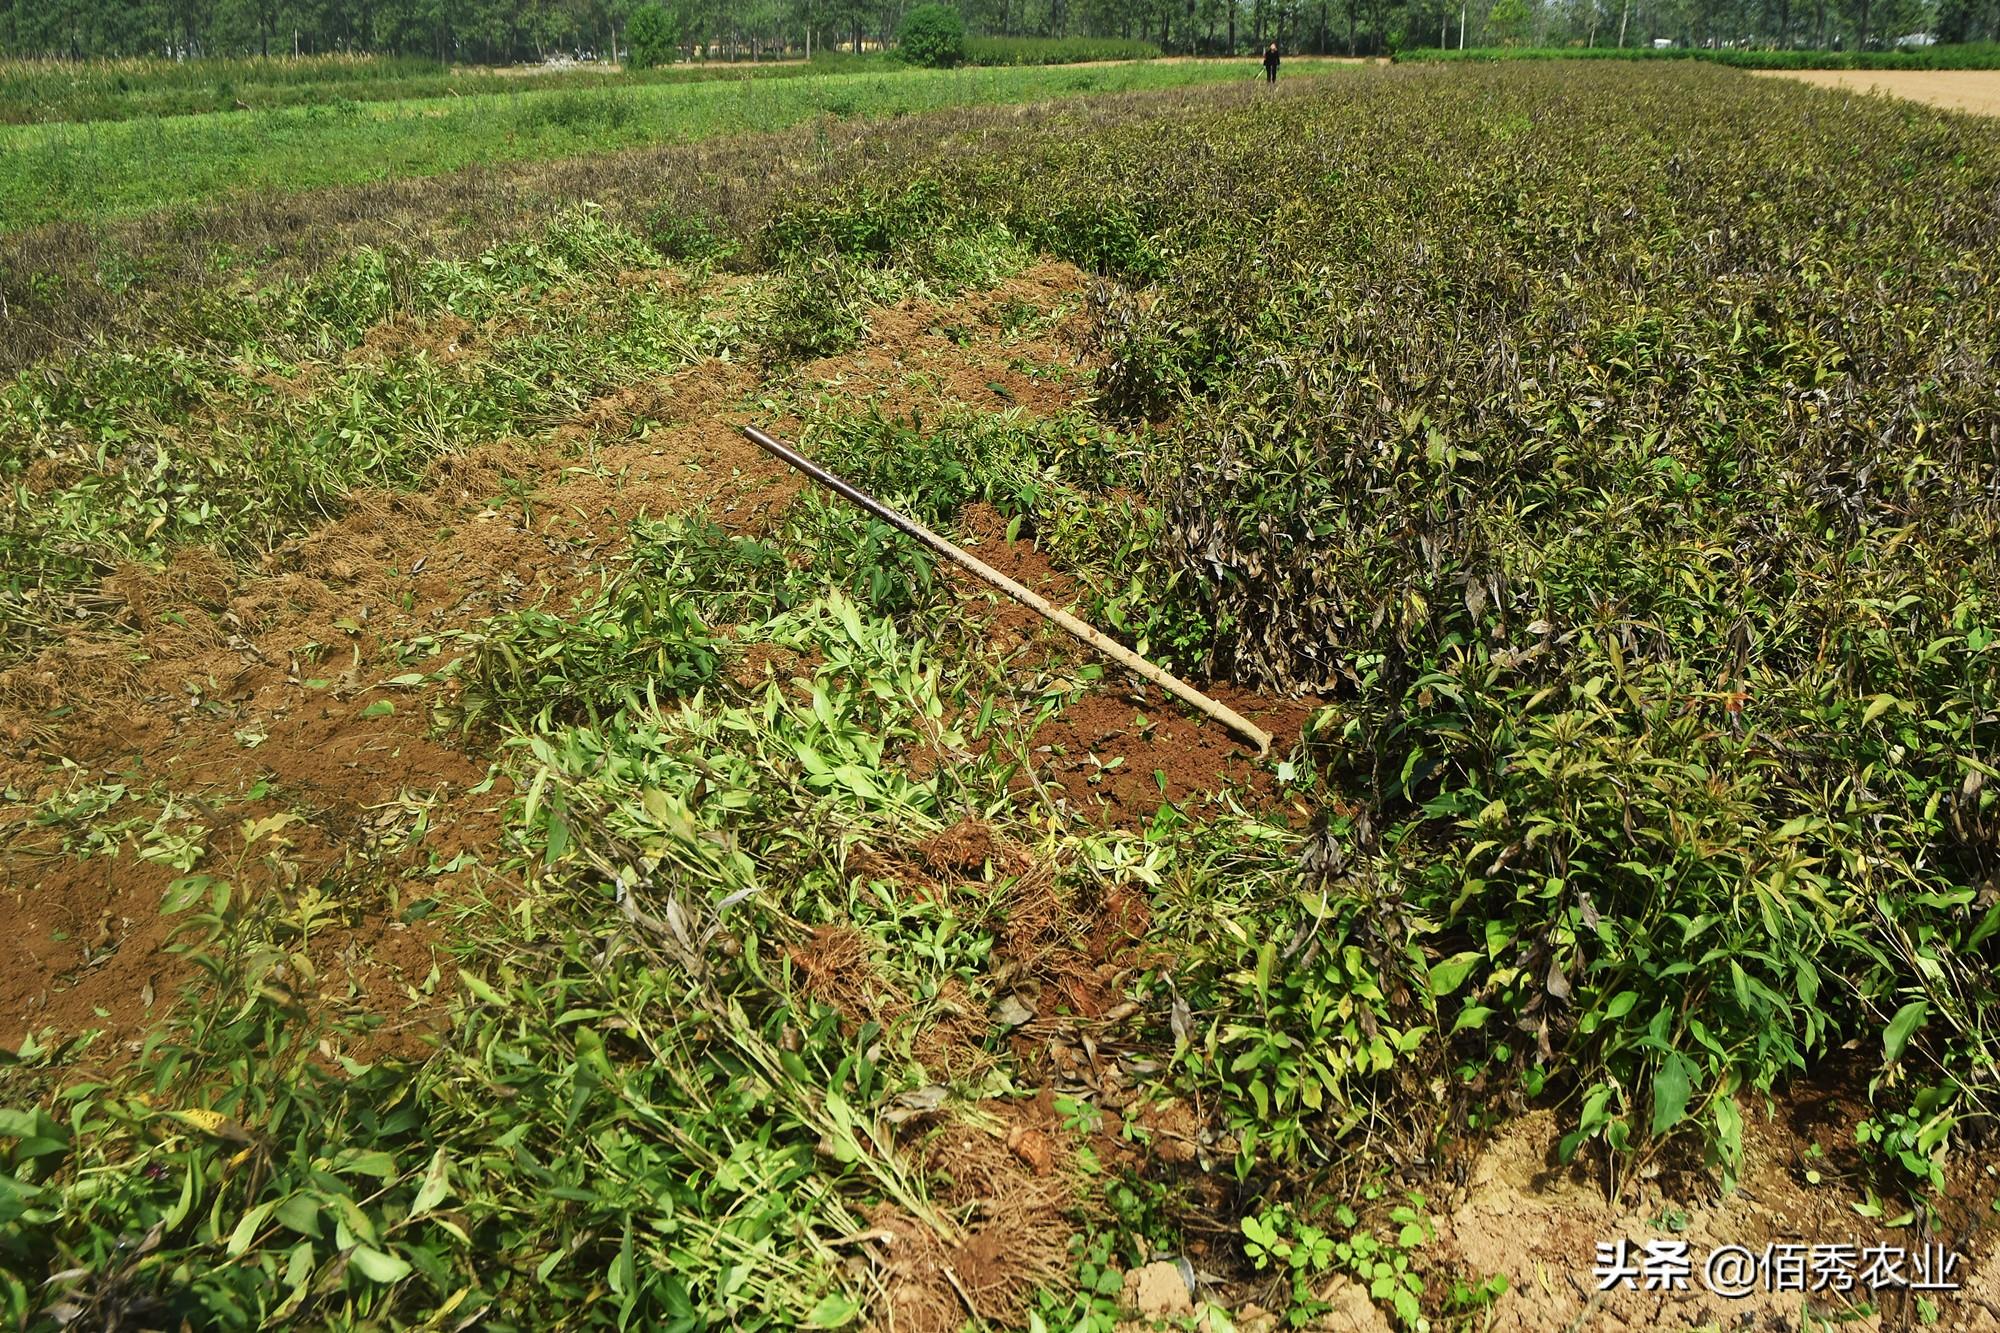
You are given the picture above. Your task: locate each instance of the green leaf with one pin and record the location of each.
(1728, 1139)
(480, 990)
(246, 1230)
(183, 893)
(437, 1182)
(1987, 925)
(379, 1267)
(836, 1310)
(1897, 1035)
(1448, 975)
(1472, 1016)
(176, 1214)
(300, 1213)
(623, 1277)
(1672, 1086)
(366, 1162)
(299, 1266)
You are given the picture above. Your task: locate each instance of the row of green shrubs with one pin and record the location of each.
(1969, 55)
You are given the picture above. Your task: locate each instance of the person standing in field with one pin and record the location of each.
(1271, 63)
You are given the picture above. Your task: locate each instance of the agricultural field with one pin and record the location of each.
(47, 92)
(486, 846)
(51, 91)
(112, 168)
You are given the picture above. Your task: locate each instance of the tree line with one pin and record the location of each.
(509, 31)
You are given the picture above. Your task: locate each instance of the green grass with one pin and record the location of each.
(52, 90)
(78, 172)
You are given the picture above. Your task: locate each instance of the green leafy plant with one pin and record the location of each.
(817, 310)
(1275, 1239)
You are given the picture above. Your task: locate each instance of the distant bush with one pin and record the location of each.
(1055, 50)
(1972, 55)
(652, 37)
(933, 36)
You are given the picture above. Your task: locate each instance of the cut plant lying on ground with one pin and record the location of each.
(1605, 468)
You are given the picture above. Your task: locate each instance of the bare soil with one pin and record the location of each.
(1521, 1213)
(1128, 747)
(1973, 90)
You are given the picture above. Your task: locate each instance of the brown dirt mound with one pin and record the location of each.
(965, 848)
(195, 577)
(948, 1036)
(1119, 757)
(444, 338)
(90, 948)
(833, 968)
(1539, 1223)
(81, 940)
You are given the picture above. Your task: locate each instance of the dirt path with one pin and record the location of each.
(1974, 90)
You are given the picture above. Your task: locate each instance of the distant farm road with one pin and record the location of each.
(1974, 90)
